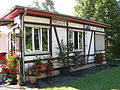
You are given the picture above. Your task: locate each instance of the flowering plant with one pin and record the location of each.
(49, 66)
(36, 69)
(12, 63)
(99, 58)
(10, 67)
(39, 68)
(4, 69)
(78, 60)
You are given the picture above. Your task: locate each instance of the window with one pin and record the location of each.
(100, 41)
(36, 39)
(44, 39)
(76, 37)
(28, 38)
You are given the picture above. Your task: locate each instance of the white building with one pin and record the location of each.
(42, 32)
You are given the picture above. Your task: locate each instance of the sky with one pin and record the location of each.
(61, 6)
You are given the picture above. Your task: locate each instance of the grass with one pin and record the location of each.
(106, 80)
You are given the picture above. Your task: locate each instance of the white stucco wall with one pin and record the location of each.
(62, 34)
(87, 43)
(3, 42)
(4, 30)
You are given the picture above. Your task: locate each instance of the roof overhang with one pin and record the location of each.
(17, 10)
(4, 22)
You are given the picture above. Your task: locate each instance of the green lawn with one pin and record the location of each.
(106, 80)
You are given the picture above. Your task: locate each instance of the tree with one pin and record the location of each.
(106, 11)
(47, 5)
(35, 4)
(85, 8)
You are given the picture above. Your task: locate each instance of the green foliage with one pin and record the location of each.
(48, 5)
(63, 53)
(106, 11)
(28, 38)
(44, 39)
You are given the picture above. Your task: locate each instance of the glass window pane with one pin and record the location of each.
(70, 36)
(100, 42)
(80, 40)
(44, 39)
(76, 39)
(36, 39)
(28, 33)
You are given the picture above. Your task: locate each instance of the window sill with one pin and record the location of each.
(36, 53)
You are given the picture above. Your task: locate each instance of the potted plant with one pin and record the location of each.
(63, 60)
(31, 72)
(35, 70)
(99, 58)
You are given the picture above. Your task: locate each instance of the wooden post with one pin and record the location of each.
(84, 41)
(67, 45)
(50, 37)
(94, 44)
(22, 47)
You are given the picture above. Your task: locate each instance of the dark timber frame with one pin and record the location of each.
(67, 27)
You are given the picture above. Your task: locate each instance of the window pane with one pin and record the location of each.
(100, 42)
(80, 40)
(76, 39)
(28, 33)
(36, 39)
(44, 39)
(70, 36)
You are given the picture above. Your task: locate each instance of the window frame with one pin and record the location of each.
(96, 47)
(73, 38)
(39, 37)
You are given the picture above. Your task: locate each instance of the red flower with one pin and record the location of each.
(51, 57)
(41, 69)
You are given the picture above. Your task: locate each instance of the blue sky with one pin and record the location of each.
(61, 6)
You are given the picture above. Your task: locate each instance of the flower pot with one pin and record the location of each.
(32, 79)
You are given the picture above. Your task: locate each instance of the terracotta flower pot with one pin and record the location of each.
(32, 79)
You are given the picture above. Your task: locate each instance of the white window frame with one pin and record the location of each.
(78, 39)
(40, 40)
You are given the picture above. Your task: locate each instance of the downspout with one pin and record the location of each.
(22, 45)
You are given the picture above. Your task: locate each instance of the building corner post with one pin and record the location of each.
(22, 48)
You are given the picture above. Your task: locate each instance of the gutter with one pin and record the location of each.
(22, 45)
